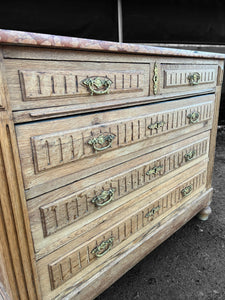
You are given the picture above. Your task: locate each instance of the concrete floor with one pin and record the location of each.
(191, 263)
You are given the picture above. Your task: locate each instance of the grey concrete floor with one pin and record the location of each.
(191, 263)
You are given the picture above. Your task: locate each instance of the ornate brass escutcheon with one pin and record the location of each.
(104, 198)
(97, 85)
(156, 125)
(155, 79)
(103, 248)
(190, 155)
(152, 211)
(193, 117)
(154, 170)
(187, 190)
(194, 78)
(104, 141)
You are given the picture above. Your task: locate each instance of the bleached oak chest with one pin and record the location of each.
(106, 150)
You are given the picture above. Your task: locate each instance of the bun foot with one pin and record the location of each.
(203, 215)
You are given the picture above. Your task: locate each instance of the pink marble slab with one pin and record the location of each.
(14, 37)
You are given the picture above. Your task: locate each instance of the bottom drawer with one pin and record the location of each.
(66, 267)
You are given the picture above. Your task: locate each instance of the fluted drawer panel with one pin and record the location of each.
(55, 84)
(53, 149)
(40, 84)
(63, 147)
(64, 211)
(73, 262)
(184, 77)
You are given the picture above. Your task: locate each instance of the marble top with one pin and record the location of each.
(14, 37)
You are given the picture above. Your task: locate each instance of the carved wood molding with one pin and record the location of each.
(17, 248)
(15, 238)
(71, 263)
(54, 84)
(67, 210)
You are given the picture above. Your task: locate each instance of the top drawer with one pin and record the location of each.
(184, 77)
(44, 89)
(40, 84)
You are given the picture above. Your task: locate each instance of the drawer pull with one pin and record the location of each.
(156, 125)
(102, 140)
(155, 79)
(193, 117)
(97, 85)
(190, 155)
(152, 211)
(104, 198)
(103, 248)
(187, 190)
(194, 78)
(154, 170)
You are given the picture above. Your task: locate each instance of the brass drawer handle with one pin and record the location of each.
(193, 117)
(155, 79)
(97, 85)
(194, 78)
(104, 198)
(154, 170)
(156, 125)
(103, 248)
(187, 190)
(152, 211)
(190, 155)
(102, 140)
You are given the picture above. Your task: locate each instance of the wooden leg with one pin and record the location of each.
(204, 213)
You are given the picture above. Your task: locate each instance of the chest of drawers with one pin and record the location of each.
(106, 150)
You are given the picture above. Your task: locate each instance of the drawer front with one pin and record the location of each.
(59, 216)
(185, 77)
(54, 149)
(67, 210)
(41, 84)
(97, 249)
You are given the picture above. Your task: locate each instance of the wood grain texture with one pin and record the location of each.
(67, 266)
(41, 83)
(64, 211)
(36, 83)
(8, 282)
(55, 84)
(64, 147)
(122, 261)
(123, 234)
(62, 111)
(44, 245)
(3, 293)
(63, 142)
(13, 220)
(148, 155)
(213, 137)
(16, 241)
(2, 83)
(176, 76)
(60, 62)
(180, 77)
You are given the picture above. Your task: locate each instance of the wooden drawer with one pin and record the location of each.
(186, 77)
(54, 153)
(40, 90)
(70, 264)
(57, 216)
(41, 84)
